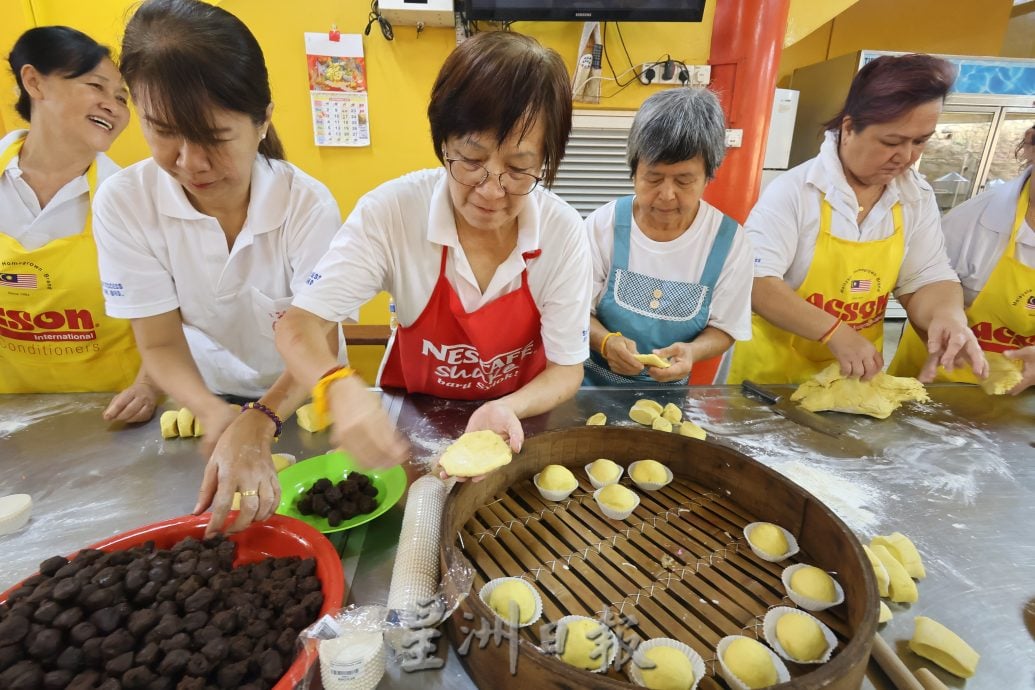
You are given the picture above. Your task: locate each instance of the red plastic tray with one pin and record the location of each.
(277, 537)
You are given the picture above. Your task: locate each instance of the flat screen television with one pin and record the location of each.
(586, 10)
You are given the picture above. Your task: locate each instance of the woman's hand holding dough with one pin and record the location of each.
(497, 416)
(361, 426)
(134, 404)
(620, 356)
(241, 462)
(680, 357)
(951, 344)
(1027, 356)
(857, 356)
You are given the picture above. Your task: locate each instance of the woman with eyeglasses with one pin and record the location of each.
(991, 244)
(671, 273)
(490, 271)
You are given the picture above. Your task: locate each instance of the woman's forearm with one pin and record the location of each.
(546, 391)
(777, 303)
(303, 340)
(711, 342)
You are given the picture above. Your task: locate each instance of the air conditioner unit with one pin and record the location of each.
(414, 12)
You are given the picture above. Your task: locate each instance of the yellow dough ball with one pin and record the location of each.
(647, 404)
(598, 419)
(649, 472)
(580, 650)
(604, 470)
(750, 662)
(557, 478)
(672, 669)
(769, 539)
(513, 593)
(814, 583)
(801, 637)
(617, 497)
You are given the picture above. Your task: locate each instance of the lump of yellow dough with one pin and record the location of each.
(878, 397)
(688, 428)
(557, 478)
(884, 614)
(649, 404)
(649, 472)
(879, 571)
(672, 413)
(904, 551)
(185, 423)
(617, 497)
(167, 423)
(653, 360)
(475, 453)
(603, 470)
(308, 419)
(801, 637)
(901, 587)
(672, 669)
(645, 412)
(661, 424)
(934, 641)
(1003, 374)
(282, 461)
(769, 539)
(750, 662)
(513, 593)
(585, 644)
(598, 419)
(814, 583)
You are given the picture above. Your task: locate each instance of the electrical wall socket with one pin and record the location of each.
(659, 71)
(734, 138)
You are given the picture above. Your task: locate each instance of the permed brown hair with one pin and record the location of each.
(502, 82)
(186, 56)
(889, 86)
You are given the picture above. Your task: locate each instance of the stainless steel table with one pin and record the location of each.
(957, 475)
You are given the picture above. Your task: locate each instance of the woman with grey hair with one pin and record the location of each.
(671, 273)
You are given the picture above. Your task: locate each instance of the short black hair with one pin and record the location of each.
(53, 50)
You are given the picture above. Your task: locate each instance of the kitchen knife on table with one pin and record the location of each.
(782, 405)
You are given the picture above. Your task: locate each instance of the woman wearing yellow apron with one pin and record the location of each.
(991, 244)
(54, 334)
(837, 235)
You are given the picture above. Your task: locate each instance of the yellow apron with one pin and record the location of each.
(1002, 316)
(850, 280)
(54, 334)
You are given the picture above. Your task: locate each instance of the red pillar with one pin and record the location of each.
(747, 39)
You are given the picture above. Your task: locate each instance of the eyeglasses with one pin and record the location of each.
(471, 174)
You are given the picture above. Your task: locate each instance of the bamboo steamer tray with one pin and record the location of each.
(679, 563)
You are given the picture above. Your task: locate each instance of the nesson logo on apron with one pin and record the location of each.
(461, 366)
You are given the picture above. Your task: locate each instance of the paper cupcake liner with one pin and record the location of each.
(553, 494)
(651, 486)
(808, 603)
(611, 512)
(792, 543)
(782, 674)
(696, 662)
(486, 591)
(612, 649)
(769, 629)
(601, 485)
(354, 661)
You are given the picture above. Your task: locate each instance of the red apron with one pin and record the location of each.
(450, 353)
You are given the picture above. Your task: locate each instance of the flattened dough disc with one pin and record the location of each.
(652, 360)
(475, 453)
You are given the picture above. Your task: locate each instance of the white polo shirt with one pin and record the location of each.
(784, 223)
(976, 233)
(65, 215)
(393, 241)
(681, 259)
(158, 253)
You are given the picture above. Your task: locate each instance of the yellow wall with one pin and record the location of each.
(1019, 41)
(956, 27)
(400, 74)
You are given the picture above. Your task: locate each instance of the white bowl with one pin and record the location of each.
(553, 494)
(792, 543)
(600, 485)
(15, 511)
(611, 512)
(769, 630)
(808, 603)
(782, 674)
(486, 591)
(651, 486)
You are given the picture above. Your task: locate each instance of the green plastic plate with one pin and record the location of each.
(297, 479)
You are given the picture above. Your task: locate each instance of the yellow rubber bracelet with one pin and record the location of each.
(603, 343)
(320, 407)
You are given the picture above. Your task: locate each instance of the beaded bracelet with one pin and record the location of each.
(320, 390)
(277, 421)
(603, 343)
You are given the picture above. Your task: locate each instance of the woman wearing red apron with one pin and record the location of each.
(490, 271)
